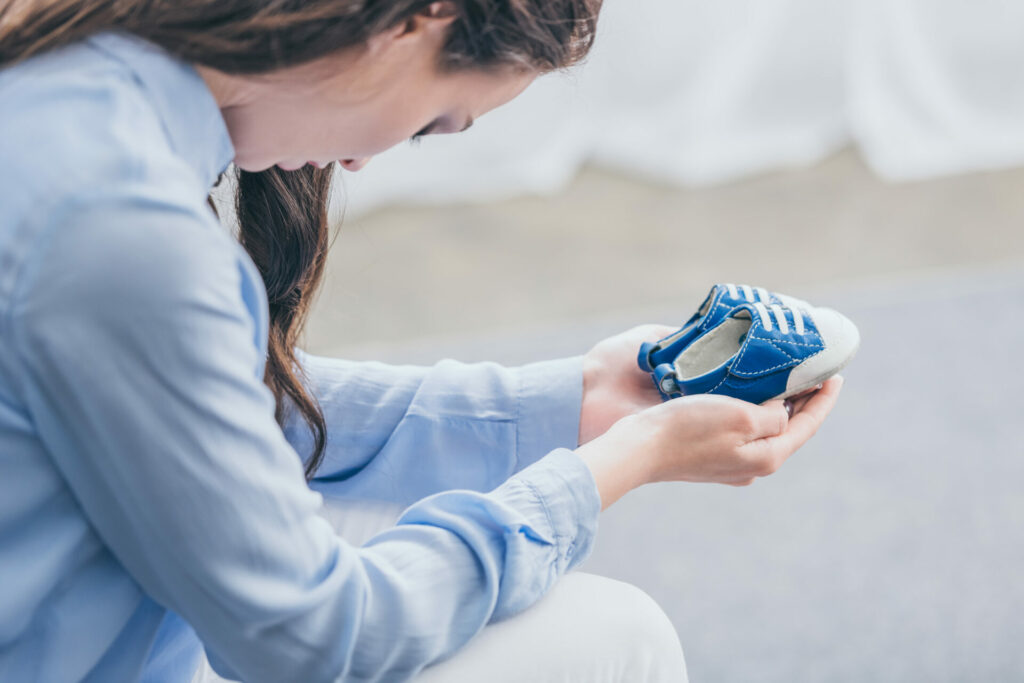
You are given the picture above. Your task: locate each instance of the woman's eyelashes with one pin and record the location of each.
(426, 130)
(436, 126)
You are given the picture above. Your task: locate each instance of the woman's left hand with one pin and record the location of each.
(613, 385)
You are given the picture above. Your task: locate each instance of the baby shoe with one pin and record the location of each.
(720, 301)
(760, 352)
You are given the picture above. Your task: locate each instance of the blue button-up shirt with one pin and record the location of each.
(145, 487)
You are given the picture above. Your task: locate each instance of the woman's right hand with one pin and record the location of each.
(704, 438)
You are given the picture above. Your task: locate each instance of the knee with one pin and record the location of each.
(638, 628)
(652, 637)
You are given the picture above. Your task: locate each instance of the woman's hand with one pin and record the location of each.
(613, 385)
(704, 439)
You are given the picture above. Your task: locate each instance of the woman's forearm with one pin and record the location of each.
(615, 473)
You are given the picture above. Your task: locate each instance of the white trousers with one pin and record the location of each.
(586, 629)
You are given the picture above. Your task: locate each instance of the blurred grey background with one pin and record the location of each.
(870, 158)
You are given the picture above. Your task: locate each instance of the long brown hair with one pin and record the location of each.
(283, 214)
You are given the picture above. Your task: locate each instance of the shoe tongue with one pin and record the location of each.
(709, 300)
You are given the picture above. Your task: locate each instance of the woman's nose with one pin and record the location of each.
(355, 164)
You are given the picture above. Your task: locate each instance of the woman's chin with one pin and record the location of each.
(250, 167)
(252, 164)
(257, 165)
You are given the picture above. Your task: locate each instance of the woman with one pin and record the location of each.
(155, 414)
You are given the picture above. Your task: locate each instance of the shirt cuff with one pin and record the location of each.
(559, 490)
(548, 410)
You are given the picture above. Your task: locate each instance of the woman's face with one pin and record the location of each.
(354, 105)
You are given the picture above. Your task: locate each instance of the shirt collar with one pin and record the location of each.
(186, 107)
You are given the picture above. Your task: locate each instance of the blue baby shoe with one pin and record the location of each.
(720, 301)
(758, 352)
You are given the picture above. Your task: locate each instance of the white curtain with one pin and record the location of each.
(702, 92)
(937, 86)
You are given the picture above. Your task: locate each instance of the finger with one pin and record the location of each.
(653, 331)
(768, 419)
(806, 421)
(806, 392)
(798, 401)
(797, 404)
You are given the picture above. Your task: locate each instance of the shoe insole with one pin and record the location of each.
(713, 349)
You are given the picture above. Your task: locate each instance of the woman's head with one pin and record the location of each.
(318, 80)
(350, 105)
(325, 80)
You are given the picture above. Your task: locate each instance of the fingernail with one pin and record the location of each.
(788, 406)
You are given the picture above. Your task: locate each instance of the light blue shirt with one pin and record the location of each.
(142, 473)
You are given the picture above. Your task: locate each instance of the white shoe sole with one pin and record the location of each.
(842, 340)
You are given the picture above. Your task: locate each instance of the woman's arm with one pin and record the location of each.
(399, 433)
(137, 330)
(704, 438)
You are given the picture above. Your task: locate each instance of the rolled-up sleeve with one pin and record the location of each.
(137, 325)
(399, 433)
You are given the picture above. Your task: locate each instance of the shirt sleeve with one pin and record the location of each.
(399, 433)
(141, 366)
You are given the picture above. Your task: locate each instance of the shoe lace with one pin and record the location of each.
(765, 313)
(749, 293)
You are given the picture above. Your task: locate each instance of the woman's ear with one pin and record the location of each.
(426, 23)
(434, 17)
(438, 10)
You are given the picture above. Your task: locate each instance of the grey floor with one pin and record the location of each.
(891, 547)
